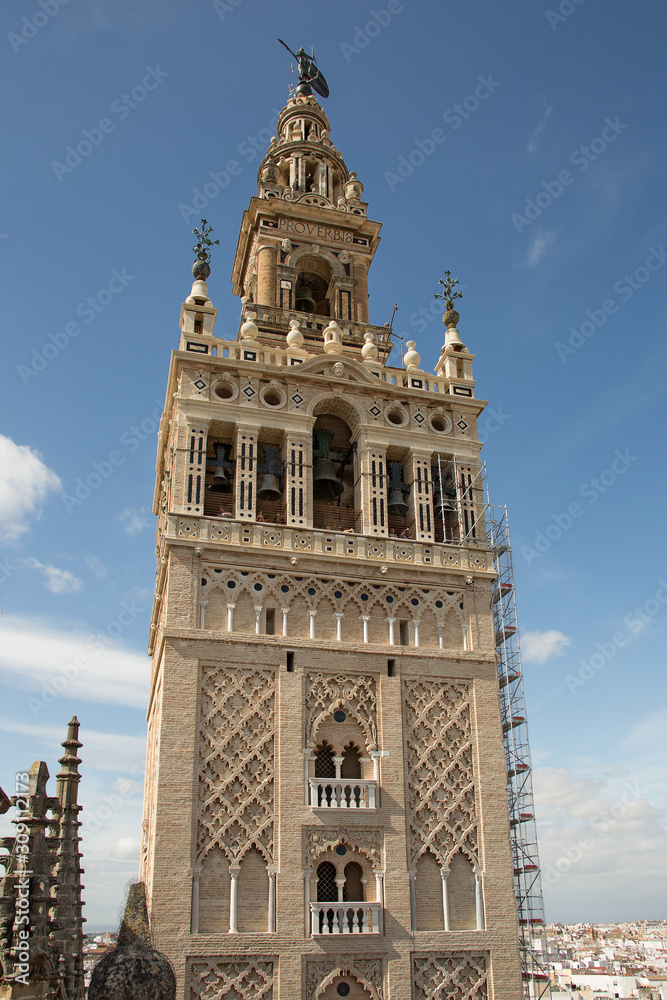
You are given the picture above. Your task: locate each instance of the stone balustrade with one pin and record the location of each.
(305, 541)
(345, 918)
(342, 793)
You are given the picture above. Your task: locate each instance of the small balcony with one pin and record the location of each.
(342, 793)
(345, 918)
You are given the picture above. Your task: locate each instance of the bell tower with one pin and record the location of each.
(325, 807)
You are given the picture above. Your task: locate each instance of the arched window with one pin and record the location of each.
(351, 767)
(462, 914)
(353, 889)
(324, 761)
(327, 890)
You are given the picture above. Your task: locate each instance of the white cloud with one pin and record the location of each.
(96, 566)
(127, 787)
(134, 520)
(537, 249)
(539, 647)
(24, 485)
(539, 129)
(602, 847)
(101, 751)
(58, 581)
(48, 661)
(126, 849)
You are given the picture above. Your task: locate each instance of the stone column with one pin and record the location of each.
(338, 763)
(422, 495)
(413, 900)
(194, 913)
(479, 900)
(360, 273)
(339, 625)
(312, 623)
(379, 898)
(246, 473)
(365, 619)
(310, 919)
(230, 617)
(415, 625)
(266, 275)
(298, 491)
(373, 469)
(307, 755)
(444, 872)
(272, 900)
(202, 614)
(392, 635)
(285, 612)
(234, 871)
(258, 620)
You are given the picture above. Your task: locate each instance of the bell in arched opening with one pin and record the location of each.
(397, 490)
(327, 482)
(305, 301)
(270, 471)
(221, 482)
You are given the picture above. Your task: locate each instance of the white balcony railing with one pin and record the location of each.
(342, 793)
(345, 918)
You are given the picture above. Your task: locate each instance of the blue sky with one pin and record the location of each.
(520, 145)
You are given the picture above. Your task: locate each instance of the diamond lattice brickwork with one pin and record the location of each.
(236, 778)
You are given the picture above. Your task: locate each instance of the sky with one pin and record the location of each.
(520, 145)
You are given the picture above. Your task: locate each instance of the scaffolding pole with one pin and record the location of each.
(523, 832)
(466, 516)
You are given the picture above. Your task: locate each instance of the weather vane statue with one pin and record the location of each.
(201, 268)
(310, 78)
(448, 293)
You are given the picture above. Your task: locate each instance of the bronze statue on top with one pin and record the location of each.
(310, 77)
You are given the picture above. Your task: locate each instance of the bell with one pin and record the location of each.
(326, 484)
(397, 504)
(220, 482)
(305, 301)
(268, 487)
(444, 501)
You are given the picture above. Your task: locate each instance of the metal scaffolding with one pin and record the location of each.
(523, 833)
(464, 509)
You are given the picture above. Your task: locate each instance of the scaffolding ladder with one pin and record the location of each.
(523, 833)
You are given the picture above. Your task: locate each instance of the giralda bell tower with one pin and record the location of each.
(325, 806)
